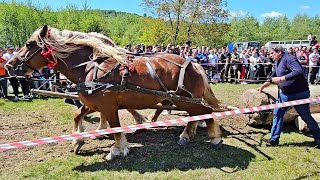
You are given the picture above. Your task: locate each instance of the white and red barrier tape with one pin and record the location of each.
(21, 144)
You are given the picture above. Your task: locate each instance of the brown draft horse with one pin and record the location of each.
(84, 110)
(86, 59)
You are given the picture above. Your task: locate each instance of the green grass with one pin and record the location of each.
(46, 106)
(157, 156)
(236, 160)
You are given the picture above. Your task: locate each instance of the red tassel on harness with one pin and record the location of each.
(47, 55)
(130, 67)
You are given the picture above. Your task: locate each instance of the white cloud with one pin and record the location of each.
(305, 7)
(272, 14)
(237, 13)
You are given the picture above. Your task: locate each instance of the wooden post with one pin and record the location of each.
(55, 94)
(76, 97)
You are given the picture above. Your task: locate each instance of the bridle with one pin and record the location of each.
(46, 52)
(24, 61)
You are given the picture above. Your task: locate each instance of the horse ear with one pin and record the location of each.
(44, 31)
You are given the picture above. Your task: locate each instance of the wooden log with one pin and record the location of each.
(302, 126)
(252, 97)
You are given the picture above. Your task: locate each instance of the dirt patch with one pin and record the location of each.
(30, 126)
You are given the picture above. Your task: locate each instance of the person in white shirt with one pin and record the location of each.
(313, 63)
(213, 60)
(25, 85)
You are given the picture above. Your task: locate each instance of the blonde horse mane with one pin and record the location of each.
(66, 41)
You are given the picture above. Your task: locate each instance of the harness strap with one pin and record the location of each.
(181, 77)
(82, 64)
(95, 71)
(154, 74)
(177, 64)
(124, 78)
(106, 73)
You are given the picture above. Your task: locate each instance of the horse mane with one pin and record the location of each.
(66, 41)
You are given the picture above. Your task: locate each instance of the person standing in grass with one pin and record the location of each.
(288, 74)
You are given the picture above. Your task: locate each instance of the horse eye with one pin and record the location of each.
(28, 45)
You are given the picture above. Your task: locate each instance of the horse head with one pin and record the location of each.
(34, 55)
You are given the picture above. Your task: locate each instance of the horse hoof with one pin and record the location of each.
(77, 146)
(217, 146)
(110, 157)
(182, 142)
(201, 124)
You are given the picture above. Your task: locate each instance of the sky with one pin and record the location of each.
(257, 8)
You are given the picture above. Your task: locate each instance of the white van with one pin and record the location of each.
(288, 43)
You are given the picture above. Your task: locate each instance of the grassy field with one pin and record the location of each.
(154, 153)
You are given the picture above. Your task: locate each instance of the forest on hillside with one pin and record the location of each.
(19, 20)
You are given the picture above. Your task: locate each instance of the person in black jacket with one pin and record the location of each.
(289, 75)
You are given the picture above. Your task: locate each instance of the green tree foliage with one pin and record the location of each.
(274, 29)
(182, 15)
(126, 28)
(243, 29)
(301, 26)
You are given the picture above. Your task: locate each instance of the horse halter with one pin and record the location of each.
(24, 61)
(46, 54)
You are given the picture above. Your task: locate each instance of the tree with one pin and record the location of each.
(190, 11)
(243, 29)
(301, 26)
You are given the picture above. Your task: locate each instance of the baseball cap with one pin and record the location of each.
(9, 46)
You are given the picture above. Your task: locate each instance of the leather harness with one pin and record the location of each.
(96, 84)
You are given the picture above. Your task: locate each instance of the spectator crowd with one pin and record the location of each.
(252, 65)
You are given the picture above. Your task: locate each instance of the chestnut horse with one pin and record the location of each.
(87, 61)
(83, 111)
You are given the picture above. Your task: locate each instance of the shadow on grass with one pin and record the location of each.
(300, 144)
(291, 128)
(160, 152)
(314, 175)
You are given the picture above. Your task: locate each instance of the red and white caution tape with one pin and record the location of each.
(21, 144)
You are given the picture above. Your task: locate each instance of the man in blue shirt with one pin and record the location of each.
(288, 74)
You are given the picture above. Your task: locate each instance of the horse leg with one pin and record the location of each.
(137, 116)
(214, 133)
(189, 132)
(154, 116)
(121, 146)
(77, 127)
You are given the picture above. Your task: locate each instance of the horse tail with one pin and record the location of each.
(208, 94)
